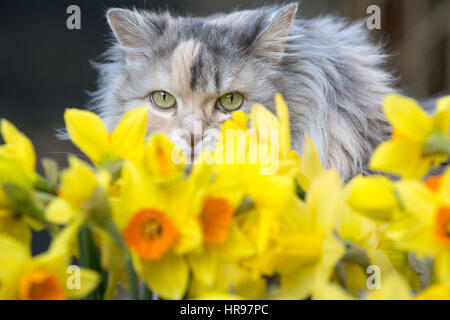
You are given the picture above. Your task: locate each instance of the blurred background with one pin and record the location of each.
(45, 68)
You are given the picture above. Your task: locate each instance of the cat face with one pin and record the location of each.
(191, 73)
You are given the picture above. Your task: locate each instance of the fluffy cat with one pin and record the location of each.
(328, 71)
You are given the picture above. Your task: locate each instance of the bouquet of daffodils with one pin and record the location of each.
(250, 220)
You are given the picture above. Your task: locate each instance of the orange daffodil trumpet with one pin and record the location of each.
(251, 220)
(43, 277)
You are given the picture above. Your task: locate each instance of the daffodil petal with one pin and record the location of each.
(60, 212)
(285, 133)
(81, 283)
(400, 157)
(372, 196)
(435, 292)
(167, 277)
(310, 165)
(87, 132)
(18, 146)
(392, 287)
(417, 199)
(407, 117)
(129, 133)
(204, 265)
(12, 254)
(442, 116)
(442, 267)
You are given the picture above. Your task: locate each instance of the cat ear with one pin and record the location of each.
(270, 43)
(128, 28)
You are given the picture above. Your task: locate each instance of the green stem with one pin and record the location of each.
(90, 258)
(132, 279)
(147, 294)
(84, 260)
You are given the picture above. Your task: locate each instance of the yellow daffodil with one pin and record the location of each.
(265, 143)
(43, 277)
(429, 222)
(159, 225)
(162, 160)
(306, 248)
(373, 196)
(392, 287)
(78, 183)
(224, 241)
(17, 167)
(310, 165)
(89, 133)
(418, 140)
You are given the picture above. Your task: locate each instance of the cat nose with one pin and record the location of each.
(193, 138)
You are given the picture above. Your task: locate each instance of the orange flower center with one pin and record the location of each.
(216, 219)
(41, 285)
(150, 233)
(433, 183)
(443, 225)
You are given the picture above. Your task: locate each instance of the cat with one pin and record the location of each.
(185, 69)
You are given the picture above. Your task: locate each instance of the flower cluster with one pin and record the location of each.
(250, 220)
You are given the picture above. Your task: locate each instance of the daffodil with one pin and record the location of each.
(43, 277)
(310, 165)
(429, 222)
(259, 163)
(392, 287)
(78, 183)
(305, 248)
(266, 143)
(162, 160)
(224, 241)
(17, 169)
(374, 197)
(89, 133)
(419, 140)
(160, 225)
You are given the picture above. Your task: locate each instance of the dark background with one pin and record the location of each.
(45, 68)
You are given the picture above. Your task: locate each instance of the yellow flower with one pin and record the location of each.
(44, 277)
(304, 249)
(78, 183)
(18, 147)
(224, 241)
(159, 224)
(88, 132)
(413, 148)
(162, 160)
(310, 165)
(17, 167)
(392, 287)
(427, 227)
(373, 196)
(265, 144)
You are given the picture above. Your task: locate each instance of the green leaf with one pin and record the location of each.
(26, 203)
(51, 173)
(437, 143)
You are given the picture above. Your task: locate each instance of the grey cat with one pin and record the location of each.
(193, 72)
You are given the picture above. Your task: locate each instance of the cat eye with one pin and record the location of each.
(231, 101)
(163, 99)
